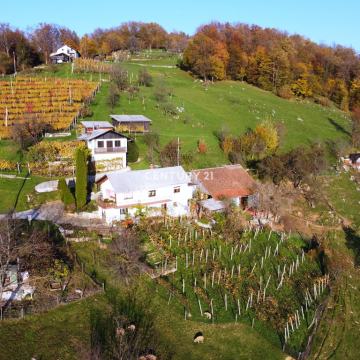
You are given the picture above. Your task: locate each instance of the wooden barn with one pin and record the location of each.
(131, 123)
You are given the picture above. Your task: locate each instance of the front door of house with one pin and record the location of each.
(109, 144)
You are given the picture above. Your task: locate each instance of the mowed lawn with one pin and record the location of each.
(13, 193)
(228, 105)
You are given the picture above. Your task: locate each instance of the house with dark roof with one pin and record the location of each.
(131, 123)
(221, 185)
(124, 193)
(108, 149)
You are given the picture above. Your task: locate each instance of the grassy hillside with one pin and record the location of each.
(229, 105)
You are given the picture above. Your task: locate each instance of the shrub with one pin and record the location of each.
(144, 78)
(152, 140)
(236, 157)
(168, 156)
(285, 92)
(227, 144)
(132, 152)
(323, 101)
(86, 112)
(161, 92)
(169, 108)
(202, 147)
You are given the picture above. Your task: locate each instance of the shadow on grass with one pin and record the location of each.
(353, 243)
(339, 127)
(19, 192)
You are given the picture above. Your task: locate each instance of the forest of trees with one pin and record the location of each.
(288, 65)
(275, 61)
(34, 47)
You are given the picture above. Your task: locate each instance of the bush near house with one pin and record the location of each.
(132, 152)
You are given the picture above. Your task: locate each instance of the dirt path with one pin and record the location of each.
(154, 65)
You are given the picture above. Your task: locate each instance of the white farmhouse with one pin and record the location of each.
(108, 149)
(124, 193)
(64, 54)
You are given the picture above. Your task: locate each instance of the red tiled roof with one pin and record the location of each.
(226, 181)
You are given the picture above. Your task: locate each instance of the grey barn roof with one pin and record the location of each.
(150, 179)
(95, 124)
(130, 118)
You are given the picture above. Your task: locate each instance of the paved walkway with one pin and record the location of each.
(54, 211)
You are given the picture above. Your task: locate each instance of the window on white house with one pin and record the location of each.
(100, 144)
(177, 189)
(109, 144)
(123, 211)
(152, 193)
(117, 143)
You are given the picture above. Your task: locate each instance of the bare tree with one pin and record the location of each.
(8, 250)
(127, 253)
(46, 38)
(33, 247)
(5, 33)
(29, 131)
(274, 199)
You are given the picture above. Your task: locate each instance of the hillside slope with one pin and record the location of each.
(229, 105)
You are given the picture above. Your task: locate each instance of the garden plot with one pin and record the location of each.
(273, 281)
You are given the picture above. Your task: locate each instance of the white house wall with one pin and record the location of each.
(102, 158)
(177, 203)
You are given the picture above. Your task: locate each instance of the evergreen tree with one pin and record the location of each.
(65, 194)
(81, 177)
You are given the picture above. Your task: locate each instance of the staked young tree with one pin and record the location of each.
(144, 78)
(113, 97)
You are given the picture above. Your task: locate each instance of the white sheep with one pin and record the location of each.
(199, 339)
(131, 327)
(208, 315)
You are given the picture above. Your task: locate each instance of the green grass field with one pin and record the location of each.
(13, 193)
(229, 105)
(64, 333)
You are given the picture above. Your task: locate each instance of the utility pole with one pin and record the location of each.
(178, 151)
